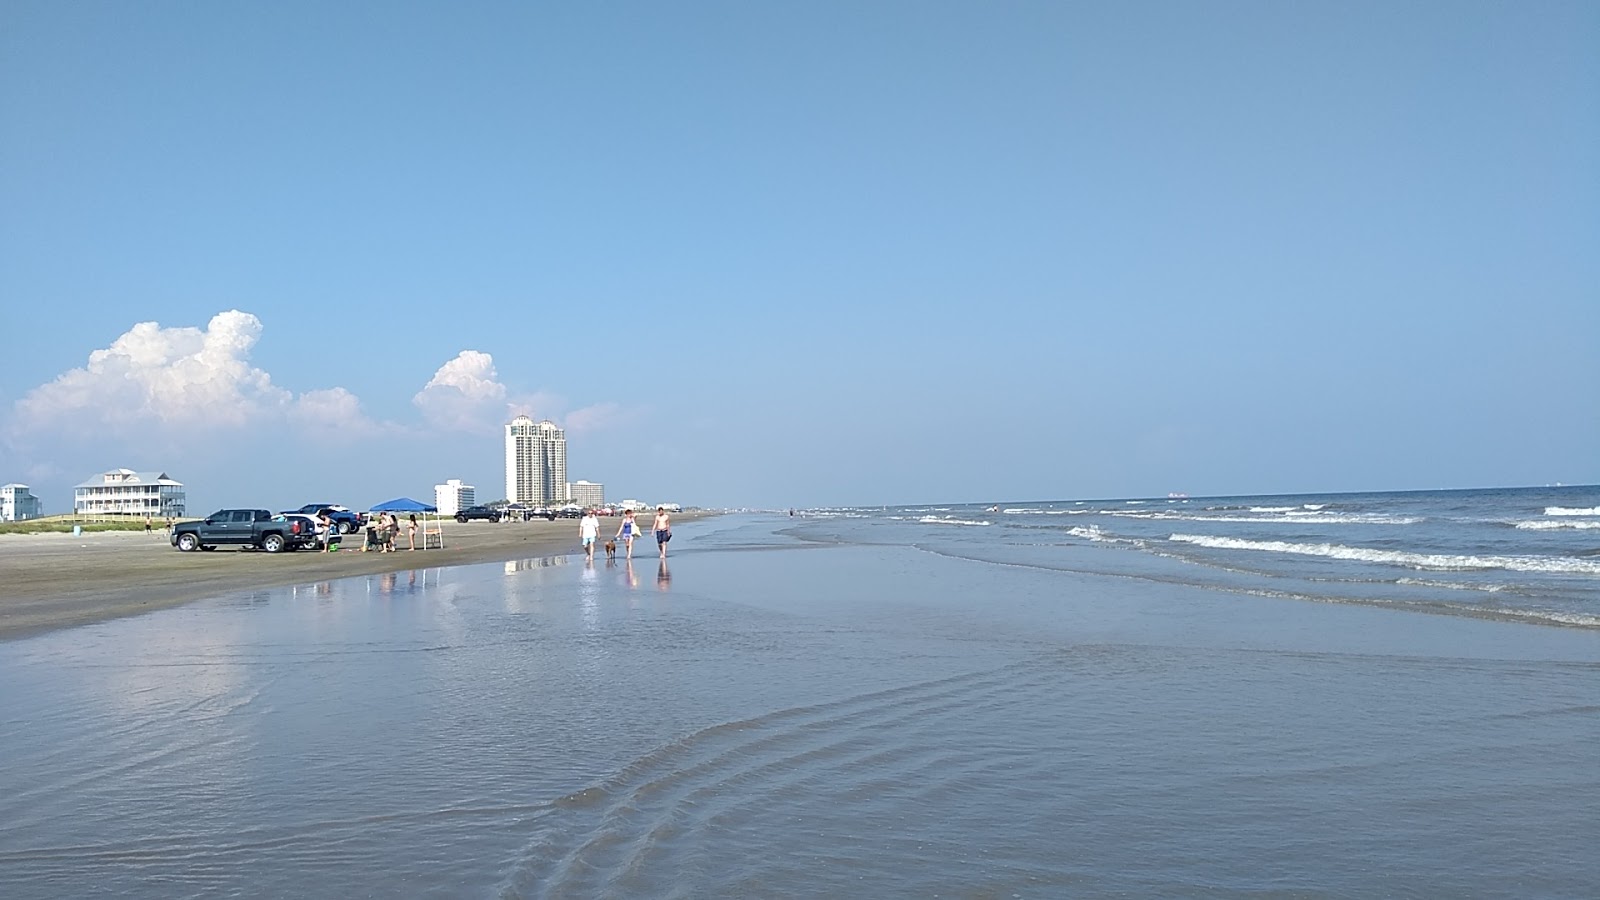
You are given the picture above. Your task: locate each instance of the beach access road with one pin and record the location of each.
(58, 580)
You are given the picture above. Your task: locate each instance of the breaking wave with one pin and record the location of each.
(1431, 561)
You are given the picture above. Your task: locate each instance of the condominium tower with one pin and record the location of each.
(536, 462)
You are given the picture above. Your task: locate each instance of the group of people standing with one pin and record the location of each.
(627, 531)
(382, 532)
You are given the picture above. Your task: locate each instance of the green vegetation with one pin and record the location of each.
(63, 524)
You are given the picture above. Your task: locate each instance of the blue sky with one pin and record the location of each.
(801, 254)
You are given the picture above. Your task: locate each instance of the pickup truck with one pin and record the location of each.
(247, 528)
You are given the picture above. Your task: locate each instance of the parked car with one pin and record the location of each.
(478, 512)
(244, 528)
(346, 520)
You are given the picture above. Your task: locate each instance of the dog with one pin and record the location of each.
(611, 549)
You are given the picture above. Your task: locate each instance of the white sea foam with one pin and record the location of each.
(1452, 585)
(1571, 511)
(1090, 532)
(1292, 517)
(950, 520)
(1266, 509)
(1434, 561)
(1548, 525)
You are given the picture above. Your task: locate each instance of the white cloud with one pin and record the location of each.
(165, 376)
(156, 394)
(464, 393)
(598, 417)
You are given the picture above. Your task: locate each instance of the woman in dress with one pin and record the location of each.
(628, 530)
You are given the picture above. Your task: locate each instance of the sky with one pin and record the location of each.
(801, 254)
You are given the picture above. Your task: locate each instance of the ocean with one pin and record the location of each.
(1377, 695)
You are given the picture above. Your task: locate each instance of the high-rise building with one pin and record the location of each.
(587, 493)
(536, 461)
(453, 496)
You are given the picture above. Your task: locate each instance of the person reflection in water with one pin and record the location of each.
(663, 577)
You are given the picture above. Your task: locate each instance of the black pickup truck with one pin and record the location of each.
(246, 528)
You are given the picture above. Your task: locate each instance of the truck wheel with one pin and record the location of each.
(272, 543)
(346, 527)
(188, 542)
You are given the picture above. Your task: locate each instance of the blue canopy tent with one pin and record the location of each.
(432, 536)
(404, 505)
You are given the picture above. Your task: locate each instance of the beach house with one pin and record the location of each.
(129, 493)
(18, 503)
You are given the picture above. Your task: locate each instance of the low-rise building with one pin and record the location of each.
(453, 496)
(128, 493)
(587, 493)
(17, 503)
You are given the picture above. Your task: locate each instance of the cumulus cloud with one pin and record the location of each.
(144, 399)
(166, 376)
(465, 393)
(598, 417)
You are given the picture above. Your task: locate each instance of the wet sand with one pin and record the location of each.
(57, 580)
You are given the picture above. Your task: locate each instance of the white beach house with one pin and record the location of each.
(130, 493)
(18, 503)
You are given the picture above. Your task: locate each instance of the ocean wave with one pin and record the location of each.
(1434, 561)
(1547, 525)
(1452, 585)
(1295, 517)
(1571, 511)
(950, 520)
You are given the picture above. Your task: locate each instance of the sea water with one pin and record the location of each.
(866, 702)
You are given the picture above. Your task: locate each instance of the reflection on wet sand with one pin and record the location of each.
(663, 577)
(513, 566)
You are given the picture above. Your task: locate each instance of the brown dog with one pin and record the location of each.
(611, 549)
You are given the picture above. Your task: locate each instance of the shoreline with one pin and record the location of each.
(56, 581)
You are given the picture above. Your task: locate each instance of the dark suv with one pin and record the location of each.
(344, 518)
(478, 512)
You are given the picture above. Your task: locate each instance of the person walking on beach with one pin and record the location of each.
(588, 531)
(149, 527)
(628, 530)
(411, 533)
(663, 529)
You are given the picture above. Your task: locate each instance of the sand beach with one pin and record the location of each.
(58, 580)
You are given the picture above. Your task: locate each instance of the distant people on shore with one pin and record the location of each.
(628, 530)
(663, 530)
(330, 531)
(588, 532)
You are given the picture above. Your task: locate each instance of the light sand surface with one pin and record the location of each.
(56, 580)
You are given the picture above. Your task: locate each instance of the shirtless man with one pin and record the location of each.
(663, 529)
